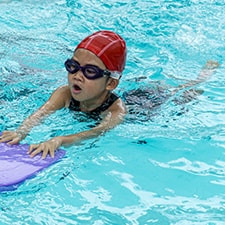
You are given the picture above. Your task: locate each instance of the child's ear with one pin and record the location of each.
(111, 84)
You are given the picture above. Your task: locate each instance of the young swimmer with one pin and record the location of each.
(93, 73)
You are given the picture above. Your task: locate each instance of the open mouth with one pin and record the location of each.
(76, 89)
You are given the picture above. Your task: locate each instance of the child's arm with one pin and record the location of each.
(113, 116)
(54, 103)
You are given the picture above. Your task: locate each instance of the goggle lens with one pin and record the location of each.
(90, 71)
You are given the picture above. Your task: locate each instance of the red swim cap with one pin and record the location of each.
(109, 47)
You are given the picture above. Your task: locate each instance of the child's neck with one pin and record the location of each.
(87, 106)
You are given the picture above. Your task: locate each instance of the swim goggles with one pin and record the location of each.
(90, 71)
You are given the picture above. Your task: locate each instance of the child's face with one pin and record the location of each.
(83, 89)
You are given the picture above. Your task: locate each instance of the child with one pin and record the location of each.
(93, 73)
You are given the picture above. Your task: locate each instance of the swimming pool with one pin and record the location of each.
(166, 170)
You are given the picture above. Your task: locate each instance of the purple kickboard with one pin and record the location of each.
(16, 165)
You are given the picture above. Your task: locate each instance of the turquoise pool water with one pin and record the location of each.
(169, 169)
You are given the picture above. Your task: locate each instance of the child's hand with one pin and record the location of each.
(48, 147)
(11, 137)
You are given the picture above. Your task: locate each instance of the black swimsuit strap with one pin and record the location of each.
(75, 105)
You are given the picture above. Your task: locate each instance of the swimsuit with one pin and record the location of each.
(95, 113)
(146, 98)
(142, 102)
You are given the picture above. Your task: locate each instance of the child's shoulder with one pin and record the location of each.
(63, 93)
(62, 90)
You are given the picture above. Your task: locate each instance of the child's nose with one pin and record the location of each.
(78, 75)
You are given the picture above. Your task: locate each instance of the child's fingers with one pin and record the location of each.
(31, 148)
(37, 148)
(52, 152)
(48, 150)
(9, 137)
(6, 138)
(34, 150)
(6, 132)
(2, 139)
(45, 153)
(14, 141)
